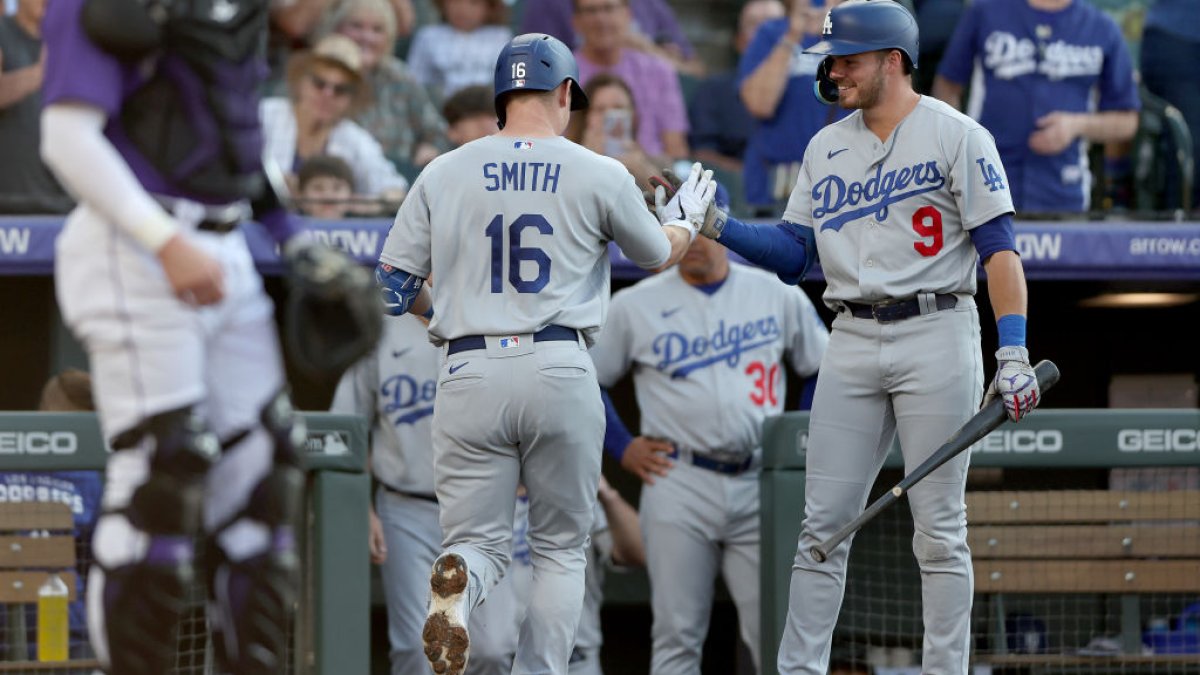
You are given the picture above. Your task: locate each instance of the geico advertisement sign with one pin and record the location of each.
(1158, 440)
(38, 443)
(1022, 441)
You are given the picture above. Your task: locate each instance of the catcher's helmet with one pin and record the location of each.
(536, 62)
(859, 26)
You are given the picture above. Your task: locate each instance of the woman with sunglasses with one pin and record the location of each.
(325, 88)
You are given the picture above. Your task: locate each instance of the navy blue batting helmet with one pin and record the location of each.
(859, 26)
(536, 62)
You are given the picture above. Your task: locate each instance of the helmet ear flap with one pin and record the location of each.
(824, 87)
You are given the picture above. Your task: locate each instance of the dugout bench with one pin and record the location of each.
(330, 631)
(1108, 552)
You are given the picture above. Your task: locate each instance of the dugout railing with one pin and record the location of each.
(330, 632)
(1133, 607)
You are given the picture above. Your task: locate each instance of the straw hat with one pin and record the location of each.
(335, 50)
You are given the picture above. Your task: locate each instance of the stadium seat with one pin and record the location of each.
(1162, 137)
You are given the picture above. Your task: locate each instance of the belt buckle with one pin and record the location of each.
(879, 310)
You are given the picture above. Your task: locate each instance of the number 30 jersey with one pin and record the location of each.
(515, 235)
(707, 361)
(891, 218)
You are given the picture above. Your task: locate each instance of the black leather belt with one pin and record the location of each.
(897, 310)
(221, 219)
(550, 333)
(405, 493)
(706, 462)
(218, 226)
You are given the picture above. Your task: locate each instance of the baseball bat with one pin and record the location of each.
(983, 423)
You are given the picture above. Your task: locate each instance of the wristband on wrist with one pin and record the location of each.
(1011, 329)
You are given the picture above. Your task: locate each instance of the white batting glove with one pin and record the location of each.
(1015, 383)
(691, 201)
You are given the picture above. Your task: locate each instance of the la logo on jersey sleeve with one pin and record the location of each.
(991, 177)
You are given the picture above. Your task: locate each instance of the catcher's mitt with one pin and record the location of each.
(333, 315)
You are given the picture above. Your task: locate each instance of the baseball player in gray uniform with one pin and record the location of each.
(705, 343)
(515, 227)
(901, 199)
(394, 388)
(616, 542)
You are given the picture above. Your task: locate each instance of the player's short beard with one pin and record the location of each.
(870, 92)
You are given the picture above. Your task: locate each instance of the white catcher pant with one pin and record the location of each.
(150, 353)
(921, 377)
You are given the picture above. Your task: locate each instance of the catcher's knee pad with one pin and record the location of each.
(144, 550)
(252, 595)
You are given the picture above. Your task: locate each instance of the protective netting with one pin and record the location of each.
(1067, 581)
(46, 521)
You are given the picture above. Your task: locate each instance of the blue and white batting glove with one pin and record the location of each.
(1015, 383)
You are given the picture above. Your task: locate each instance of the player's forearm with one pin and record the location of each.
(1006, 284)
(628, 549)
(74, 147)
(1111, 125)
(763, 89)
(680, 238)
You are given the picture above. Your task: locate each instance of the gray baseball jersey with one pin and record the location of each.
(891, 218)
(515, 233)
(394, 388)
(706, 369)
(534, 252)
(892, 221)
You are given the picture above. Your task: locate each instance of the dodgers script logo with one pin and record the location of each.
(727, 343)
(407, 398)
(1009, 57)
(831, 194)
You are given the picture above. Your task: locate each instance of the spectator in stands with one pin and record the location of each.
(1056, 75)
(609, 127)
(326, 186)
(655, 29)
(294, 25)
(470, 114)
(775, 79)
(462, 50)
(604, 26)
(721, 125)
(401, 115)
(26, 185)
(1170, 50)
(325, 86)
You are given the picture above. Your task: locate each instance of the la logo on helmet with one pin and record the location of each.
(827, 27)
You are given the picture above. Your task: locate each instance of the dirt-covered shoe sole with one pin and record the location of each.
(447, 646)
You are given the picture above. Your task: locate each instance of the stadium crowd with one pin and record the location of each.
(381, 100)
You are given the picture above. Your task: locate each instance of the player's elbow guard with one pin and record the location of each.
(399, 288)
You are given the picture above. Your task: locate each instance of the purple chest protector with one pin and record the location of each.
(195, 118)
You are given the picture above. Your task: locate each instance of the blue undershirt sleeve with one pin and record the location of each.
(787, 249)
(616, 434)
(994, 236)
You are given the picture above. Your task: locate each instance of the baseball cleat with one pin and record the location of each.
(447, 645)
